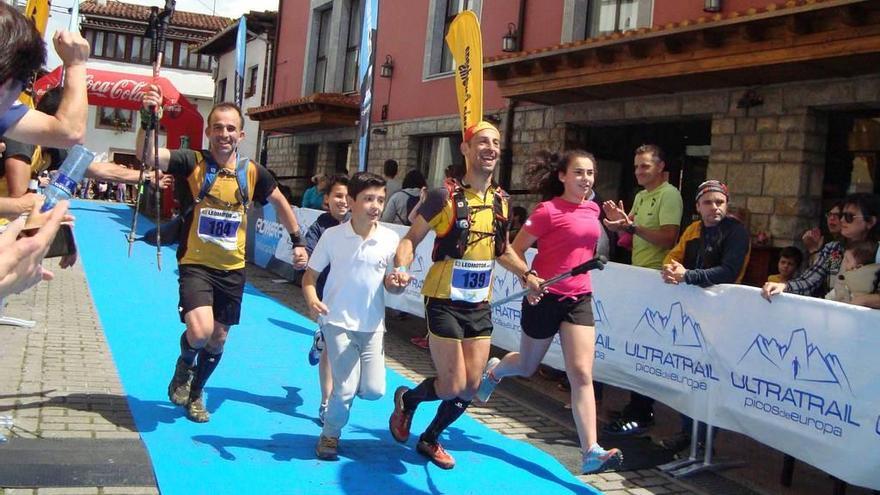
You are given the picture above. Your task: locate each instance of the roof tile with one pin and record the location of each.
(142, 13)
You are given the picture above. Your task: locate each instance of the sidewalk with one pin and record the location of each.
(72, 423)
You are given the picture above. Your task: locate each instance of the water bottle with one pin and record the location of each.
(69, 175)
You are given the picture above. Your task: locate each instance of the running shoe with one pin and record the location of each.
(401, 419)
(436, 454)
(317, 347)
(196, 410)
(327, 448)
(597, 460)
(178, 389)
(488, 382)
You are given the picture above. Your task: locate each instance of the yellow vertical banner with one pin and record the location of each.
(465, 42)
(38, 12)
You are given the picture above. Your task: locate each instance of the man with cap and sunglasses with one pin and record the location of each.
(471, 220)
(713, 250)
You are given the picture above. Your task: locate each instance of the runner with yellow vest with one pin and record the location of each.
(471, 221)
(211, 252)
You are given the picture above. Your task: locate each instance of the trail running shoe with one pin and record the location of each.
(327, 448)
(400, 420)
(196, 411)
(317, 347)
(597, 460)
(436, 454)
(488, 382)
(178, 389)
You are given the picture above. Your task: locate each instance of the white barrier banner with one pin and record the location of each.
(798, 375)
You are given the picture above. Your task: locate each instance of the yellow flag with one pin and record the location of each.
(38, 12)
(466, 44)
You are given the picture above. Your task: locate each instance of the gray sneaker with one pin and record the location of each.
(327, 448)
(488, 382)
(178, 389)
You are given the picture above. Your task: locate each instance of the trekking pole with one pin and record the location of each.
(596, 263)
(157, 25)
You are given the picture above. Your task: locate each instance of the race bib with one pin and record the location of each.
(219, 227)
(471, 280)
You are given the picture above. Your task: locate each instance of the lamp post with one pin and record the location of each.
(387, 69)
(510, 41)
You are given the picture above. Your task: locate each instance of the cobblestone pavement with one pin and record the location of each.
(58, 381)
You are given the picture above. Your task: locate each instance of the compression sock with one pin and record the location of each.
(187, 352)
(447, 413)
(424, 392)
(207, 364)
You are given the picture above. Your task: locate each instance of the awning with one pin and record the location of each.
(313, 112)
(796, 40)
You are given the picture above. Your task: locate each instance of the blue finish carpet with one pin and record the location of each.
(264, 397)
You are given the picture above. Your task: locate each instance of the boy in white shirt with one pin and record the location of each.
(360, 253)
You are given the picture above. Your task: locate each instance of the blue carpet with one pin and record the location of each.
(264, 397)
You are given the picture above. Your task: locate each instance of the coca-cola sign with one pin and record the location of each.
(115, 89)
(120, 89)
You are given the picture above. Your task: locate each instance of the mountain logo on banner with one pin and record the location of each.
(599, 315)
(675, 326)
(418, 264)
(800, 359)
(506, 284)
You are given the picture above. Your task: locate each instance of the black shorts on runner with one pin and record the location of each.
(219, 289)
(542, 320)
(456, 320)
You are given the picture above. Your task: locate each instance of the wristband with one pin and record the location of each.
(630, 229)
(525, 276)
(401, 269)
(296, 239)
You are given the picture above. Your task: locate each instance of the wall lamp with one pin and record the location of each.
(510, 41)
(712, 6)
(750, 99)
(387, 69)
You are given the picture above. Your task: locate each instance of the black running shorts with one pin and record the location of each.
(449, 319)
(219, 289)
(542, 320)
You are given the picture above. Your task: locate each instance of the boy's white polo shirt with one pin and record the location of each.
(354, 292)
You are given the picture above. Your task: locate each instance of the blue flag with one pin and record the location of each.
(240, 47)
(73, 25)
(366, 61)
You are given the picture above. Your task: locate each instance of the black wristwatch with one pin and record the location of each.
(525, 276)
(630, 229)
(296, 239)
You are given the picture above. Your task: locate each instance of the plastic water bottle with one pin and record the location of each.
(69, 175)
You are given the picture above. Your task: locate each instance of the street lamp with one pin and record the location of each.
(387, 69)
(510, 40)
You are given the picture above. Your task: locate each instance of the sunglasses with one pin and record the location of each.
(849, 217)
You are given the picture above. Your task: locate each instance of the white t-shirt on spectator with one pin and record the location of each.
(355, 291)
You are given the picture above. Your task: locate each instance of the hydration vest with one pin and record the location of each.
(456, 240)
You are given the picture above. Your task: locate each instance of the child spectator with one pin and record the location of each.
(857, 272)
(790, 259)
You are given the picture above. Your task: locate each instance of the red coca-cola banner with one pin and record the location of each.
(115, 89)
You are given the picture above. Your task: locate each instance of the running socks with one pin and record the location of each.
(187, 352)
(207, 364)
(424, 392)
(447, 413)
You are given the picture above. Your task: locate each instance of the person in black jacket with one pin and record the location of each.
(713, 250)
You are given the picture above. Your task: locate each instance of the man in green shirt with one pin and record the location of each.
(653, 225)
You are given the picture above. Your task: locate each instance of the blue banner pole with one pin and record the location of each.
(240, 57)
(366, 73)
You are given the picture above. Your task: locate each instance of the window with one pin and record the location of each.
(306, 162)
(117, 119)
(221, 91)
(251, 86)
(349, 78)
(607, 16)
(440, 15)
(98, 47)
(323, 42)
(436, 153)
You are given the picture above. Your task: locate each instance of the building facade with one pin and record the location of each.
(257, 74)
(780, 100)
(115, 32)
